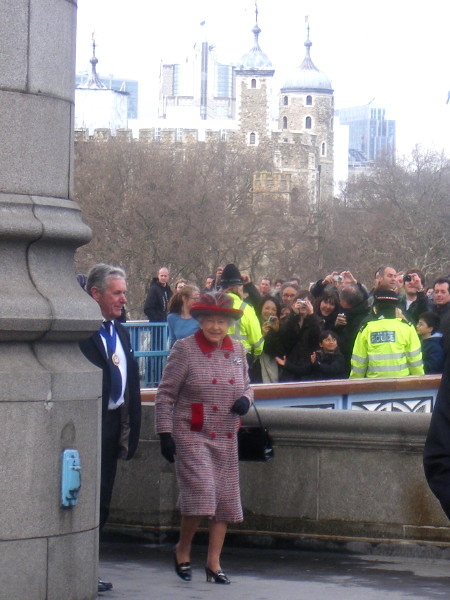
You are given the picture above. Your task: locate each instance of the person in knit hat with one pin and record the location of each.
(248, 329)
(204, 391)
(386, 346)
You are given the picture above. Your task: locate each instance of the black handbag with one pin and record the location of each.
(254, 442)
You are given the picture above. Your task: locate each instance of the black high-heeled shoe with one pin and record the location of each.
(216, 577)
(183, 569)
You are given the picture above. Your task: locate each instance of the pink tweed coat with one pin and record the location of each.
(200, 383)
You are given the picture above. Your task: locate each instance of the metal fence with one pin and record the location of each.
(151, 348)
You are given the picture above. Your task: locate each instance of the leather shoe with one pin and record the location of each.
(104, 586)
(183, 570)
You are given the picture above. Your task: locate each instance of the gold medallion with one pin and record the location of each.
(115, 359)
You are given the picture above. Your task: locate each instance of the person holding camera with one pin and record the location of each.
(265, 369)
(297, 339)
(414, 302)
(337, 279)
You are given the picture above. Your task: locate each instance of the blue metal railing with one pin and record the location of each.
(151, 348)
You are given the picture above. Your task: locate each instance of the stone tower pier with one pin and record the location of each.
(48, 392)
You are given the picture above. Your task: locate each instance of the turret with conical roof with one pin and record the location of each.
(254, 77)
(99, 107)
(307, 77)
(93, 81)
(305, 121)
(255, 59)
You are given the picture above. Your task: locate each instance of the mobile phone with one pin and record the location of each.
(271, 319)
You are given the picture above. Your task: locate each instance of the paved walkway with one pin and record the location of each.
(142, 571)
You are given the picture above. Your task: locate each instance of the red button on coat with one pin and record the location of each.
(227, 355)
(231, 381)
(214, 380)
(209, 355)
(215, 408)
(213, 435)
(229, 435)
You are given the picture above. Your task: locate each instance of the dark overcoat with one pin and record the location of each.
(436, 457)
(199, 386)
(94, 350)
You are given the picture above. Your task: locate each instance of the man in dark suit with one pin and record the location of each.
(109, 349)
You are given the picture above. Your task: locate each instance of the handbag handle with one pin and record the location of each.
(257, 414)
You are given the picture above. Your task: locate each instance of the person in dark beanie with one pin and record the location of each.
(248, 329)
(386, 346)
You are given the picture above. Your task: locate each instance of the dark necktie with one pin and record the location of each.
(108, 332)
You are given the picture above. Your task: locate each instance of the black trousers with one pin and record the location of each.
(110, 453)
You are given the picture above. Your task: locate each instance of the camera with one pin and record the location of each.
(338, 278)
(302, 302)
(271, 319)
(407, 278)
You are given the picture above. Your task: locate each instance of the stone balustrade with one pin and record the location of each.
(338, 477)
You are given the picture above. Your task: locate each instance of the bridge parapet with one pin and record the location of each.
(341, 478)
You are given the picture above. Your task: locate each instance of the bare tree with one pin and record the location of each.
(397, 214)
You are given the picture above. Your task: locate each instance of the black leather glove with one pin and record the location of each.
(168, 449)
(241, 406)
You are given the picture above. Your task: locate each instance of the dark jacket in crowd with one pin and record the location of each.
(356, 317)
(433, 354)
(444, 324)
(158, 297)
(295, 342)
(328, 365)
(420, 305)
(436, 456)
(253, 297)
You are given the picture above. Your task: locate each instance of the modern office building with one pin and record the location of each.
(371, 135)
(198, 88)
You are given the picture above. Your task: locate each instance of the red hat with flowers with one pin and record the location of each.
(216, 303)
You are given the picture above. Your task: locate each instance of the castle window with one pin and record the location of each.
(223, 135)
(308, 123)
(284, 122)
(252, 139)
(308, 100)
(253, 83)
(324, 149)
(179, 135)
(157, 134)
(285, 101)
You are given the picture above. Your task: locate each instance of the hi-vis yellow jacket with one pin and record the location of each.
(386, 348)
(247, 329)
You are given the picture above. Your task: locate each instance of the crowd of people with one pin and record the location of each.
(336, 328)
(234, 332)
(399, 327)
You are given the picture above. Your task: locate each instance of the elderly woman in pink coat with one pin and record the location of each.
(204, 390)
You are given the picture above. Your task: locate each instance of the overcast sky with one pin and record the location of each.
(395, 51)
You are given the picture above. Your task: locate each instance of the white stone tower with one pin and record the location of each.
(306, 108)
(254, 81)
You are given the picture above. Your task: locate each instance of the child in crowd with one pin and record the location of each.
(431, 341)
(326, 363)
